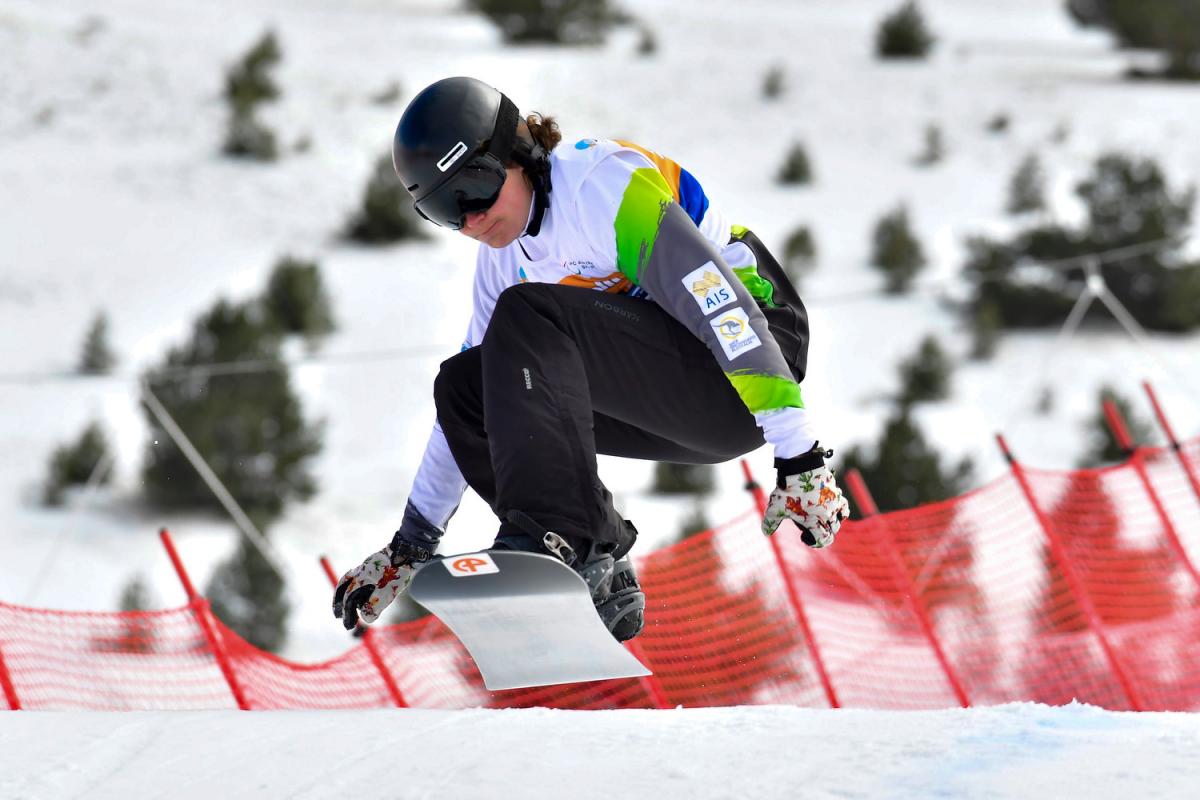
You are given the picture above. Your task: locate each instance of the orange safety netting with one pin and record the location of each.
(1090, 592)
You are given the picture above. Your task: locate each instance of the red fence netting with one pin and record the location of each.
(1083, 589)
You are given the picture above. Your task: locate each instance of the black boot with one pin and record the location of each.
(616, 593)
(625, 610)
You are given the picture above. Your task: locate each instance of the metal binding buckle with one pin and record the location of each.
(559, 548)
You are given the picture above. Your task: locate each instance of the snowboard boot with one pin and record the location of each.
(625, 610)
(616, 593)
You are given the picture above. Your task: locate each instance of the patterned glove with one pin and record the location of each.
(371, 586)
(806, 493)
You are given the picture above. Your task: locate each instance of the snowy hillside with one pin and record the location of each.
(114, 197)
(1015, 751)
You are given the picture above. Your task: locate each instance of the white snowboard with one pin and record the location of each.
(526, 619)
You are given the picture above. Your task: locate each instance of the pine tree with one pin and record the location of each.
(935, 147)
(387, 214)
(799, 254)
(248, 595)
(97, 357)
(1045, 402)
(999, 123)
(743, 642)
(248, 425)
(670, 478)
(647, 41)
(904, 33)
(925, 376)
(939, 559)
(1129, 203)
(1171, 26)
(985, 331)
(135, 596)
(1102, 446)
(1125, 583)
(74, 464)
(248, 84)
(992, 266)
(1090, 527)
(773, 83)
(550, 21)
(131, 631)
(138, 631)
(796, 169)
(1026, 190)
(388, 96)
(904, 471)
(296, 299)
(247, 137)
(1129, 206)
(896, 250)
(695, 522)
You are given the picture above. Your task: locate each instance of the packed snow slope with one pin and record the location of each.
(114, 196)
(1014, 751)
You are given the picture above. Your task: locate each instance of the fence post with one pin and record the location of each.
(203, 612)
(368, 638)
(904, 582)
(1075, 584)
(760, 502)
(1166, 426)
(10, 691)
(1120, 431)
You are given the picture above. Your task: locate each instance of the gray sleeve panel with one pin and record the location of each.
(711, 309)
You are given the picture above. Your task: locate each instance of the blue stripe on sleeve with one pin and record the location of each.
(691, 196)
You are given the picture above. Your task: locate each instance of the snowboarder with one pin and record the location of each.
(615, 311)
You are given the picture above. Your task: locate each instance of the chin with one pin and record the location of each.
(501, 239)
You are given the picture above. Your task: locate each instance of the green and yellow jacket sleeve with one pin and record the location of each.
(659, 248)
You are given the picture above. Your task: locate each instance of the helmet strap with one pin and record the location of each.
(541, 195)
(535, 162)
(506, 145)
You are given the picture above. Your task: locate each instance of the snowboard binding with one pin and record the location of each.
(616, 593)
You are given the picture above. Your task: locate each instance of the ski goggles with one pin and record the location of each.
(473, 188)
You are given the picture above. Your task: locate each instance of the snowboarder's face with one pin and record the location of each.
(501, 224)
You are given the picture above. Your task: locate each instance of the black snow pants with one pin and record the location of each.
(564, 373)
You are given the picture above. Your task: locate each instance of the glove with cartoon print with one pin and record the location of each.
(807, 494)
(369, 588)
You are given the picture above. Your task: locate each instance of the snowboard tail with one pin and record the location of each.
(526, 619)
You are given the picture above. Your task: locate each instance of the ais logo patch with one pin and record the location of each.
(709, 288)
(734, 332)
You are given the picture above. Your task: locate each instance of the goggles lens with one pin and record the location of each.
(474, 187)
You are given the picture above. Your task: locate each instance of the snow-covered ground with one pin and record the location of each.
(1015, 751)
(114, 197)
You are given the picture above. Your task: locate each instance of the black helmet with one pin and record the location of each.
(452, 146)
